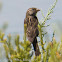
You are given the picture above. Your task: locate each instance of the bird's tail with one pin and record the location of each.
(36, 47)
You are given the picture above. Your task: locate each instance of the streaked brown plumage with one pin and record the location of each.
(32, 28)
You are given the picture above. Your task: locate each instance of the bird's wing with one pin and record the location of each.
(32, 28)
(36, 28)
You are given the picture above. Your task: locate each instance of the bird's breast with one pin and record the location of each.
(32, 25)
(32, 21)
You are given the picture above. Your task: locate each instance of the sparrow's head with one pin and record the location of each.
(32, 11)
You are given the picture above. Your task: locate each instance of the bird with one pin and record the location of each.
(32, 32)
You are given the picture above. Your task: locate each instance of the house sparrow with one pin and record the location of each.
(32, 28)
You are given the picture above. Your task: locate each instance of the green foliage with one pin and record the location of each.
(21, 53)
(42, 25)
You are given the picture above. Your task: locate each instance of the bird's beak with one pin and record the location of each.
(37, 10)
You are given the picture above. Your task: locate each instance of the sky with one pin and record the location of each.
(14, 11)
